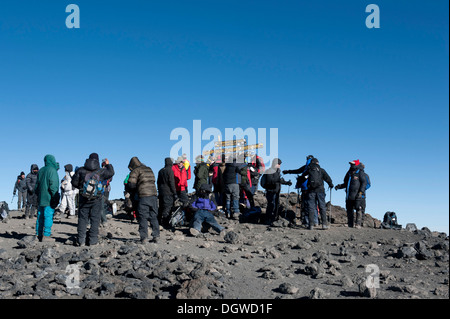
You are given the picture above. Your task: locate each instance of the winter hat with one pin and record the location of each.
(355, 162)
(68, 168)
(94, 156)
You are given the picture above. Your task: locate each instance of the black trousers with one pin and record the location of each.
(148, 211)
(90, 211)
(165, 207)
(352, 206)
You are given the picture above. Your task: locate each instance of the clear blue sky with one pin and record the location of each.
(136, 70)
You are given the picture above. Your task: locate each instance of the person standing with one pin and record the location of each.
(167, 192)
(47, 191)
(105, 198)
(181, 177)
(271, 181)
(257, 169)
(21, 188)
(316, 192)
(201, 173)
(232, 180)
(355, 186)
(88, 179)
(302, 184)
(32, 204)
(143, 181)
(68, 192)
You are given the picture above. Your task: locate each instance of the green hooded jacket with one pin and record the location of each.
(47, 184)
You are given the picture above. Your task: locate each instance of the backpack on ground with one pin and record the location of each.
(390, 221)
(178, 217)
(252, 215)
(93, 187)
(4, 210)
(314, 176)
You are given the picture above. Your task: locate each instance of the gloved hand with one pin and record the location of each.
(337, 187)
(331, 186)
(289, 183)
(286, 172)
(359, 196)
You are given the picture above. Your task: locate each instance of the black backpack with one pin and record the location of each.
(314, 175)
(390, 221)
(268, 181)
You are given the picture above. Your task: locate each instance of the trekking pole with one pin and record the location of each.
(13, 198)
(331, 190)
(287, 203)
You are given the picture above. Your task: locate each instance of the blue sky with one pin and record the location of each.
(136, 70)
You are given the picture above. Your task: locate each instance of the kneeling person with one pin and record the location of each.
(204, 207)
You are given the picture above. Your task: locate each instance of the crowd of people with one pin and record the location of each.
(221, 183)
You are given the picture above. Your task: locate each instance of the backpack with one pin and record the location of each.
(178, 217)
(314, 176)
(93, 187)
(4, 210)
(390, 221)
(267, 181)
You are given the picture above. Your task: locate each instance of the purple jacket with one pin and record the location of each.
(204, 203)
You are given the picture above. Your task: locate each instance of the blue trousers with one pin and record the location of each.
(44, 221)
(204, 216)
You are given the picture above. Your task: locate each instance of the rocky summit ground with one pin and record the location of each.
(250, 261)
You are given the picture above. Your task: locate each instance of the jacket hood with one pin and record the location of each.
(134, 163)
(50, 160)
(33, 167)
(168, 162)
(68, 168)
(91, 164)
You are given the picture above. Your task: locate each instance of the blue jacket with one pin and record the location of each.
(204, 203)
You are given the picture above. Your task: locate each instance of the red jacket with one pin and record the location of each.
(180, 177)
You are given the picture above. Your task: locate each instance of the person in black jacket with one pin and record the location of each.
(32, 200)
(167, 192)
(303, 186)
(90, 209)
(316, 192)
(355, 187)
(271, 181)
(232, 179)
(21, 187)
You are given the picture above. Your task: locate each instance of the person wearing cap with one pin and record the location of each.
(90, 209)
(21, 188)
(68, 192)
(302, 184)
(47, 190)
(355, 187)
(143, 181)
(181, 177)
(271, 181)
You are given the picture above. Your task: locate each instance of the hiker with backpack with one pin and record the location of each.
(201, 172)
(32, 204)
(246, 186)
(271, 181)
(88, 179)
(302, 184)
(167, 192)
(203, 207)
(106, 205)
(316, 176)
(20, 187)
(143, 181)
(47, 192)
(363, 202)
(216, 169)
(257, 169)
(355, 187)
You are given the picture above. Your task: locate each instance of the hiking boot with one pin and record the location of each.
(325, 227)
(154, 240)
(310, 227)
(194, 232)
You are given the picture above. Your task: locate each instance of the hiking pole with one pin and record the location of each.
(14, 195)
(331, 190)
